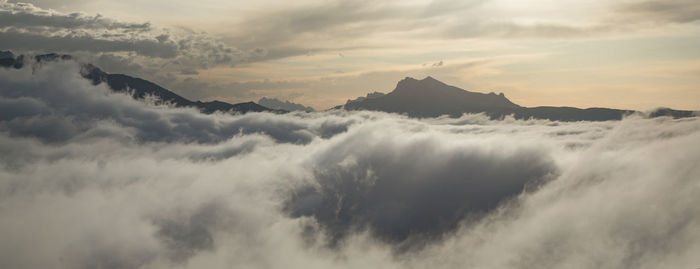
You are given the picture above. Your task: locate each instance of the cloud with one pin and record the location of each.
(25, 28)
(338, 20)
(194, 88)
(19, 41)
(60, 108)
(50, 3)
(107, 181)
(506, 29)
(674, 11)
(412, 189)
(28, 15)
(321, 26)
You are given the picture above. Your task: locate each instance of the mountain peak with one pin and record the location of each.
(430, 97)
(410, 85)
(408, 79)
(413, 80)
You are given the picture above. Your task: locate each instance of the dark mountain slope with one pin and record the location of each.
(570, 113)
(138, 88)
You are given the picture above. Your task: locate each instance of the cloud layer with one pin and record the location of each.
(90, 178)
(28, 28)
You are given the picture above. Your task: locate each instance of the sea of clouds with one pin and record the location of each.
(90, 178)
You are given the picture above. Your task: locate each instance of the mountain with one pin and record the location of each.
(140, 88)
(431, 98)
(136, 87)
(416, 98)
(7, 59)
(286, 105)
(371, 95)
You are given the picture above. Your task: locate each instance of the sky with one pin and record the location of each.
(630, 54)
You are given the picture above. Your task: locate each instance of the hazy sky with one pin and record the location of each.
(615, 53)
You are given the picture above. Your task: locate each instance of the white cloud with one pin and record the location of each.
(130, 185)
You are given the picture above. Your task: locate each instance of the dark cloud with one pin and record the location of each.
(671, 11)
(90, 178)
(184, 236)
(51, 3)
(28, 15)
(116, 64)
(408, 192)
(25, 28)
(20, 41)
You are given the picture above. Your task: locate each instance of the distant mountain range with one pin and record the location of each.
(138, 88)
(286, 105)
(431, 98)
(416, 98)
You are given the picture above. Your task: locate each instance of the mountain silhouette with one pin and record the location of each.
(431, 98)
(140, 88)
(136, 87)
(275, 103)
(428, 97)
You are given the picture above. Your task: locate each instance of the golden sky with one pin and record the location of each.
(631, 54)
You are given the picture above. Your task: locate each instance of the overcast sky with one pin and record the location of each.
(617, 53)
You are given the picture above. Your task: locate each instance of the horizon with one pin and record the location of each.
(636, 55)
(289, 102)
(467, 134)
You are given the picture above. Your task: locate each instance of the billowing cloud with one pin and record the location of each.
(26, 27)
(156, 51)
(56, 123)
(412, 189)
(28, 15)
(91, 178)
(20, 41)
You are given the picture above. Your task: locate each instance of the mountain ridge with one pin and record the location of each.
(138, 88)
(430, 97)
(275, 103)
